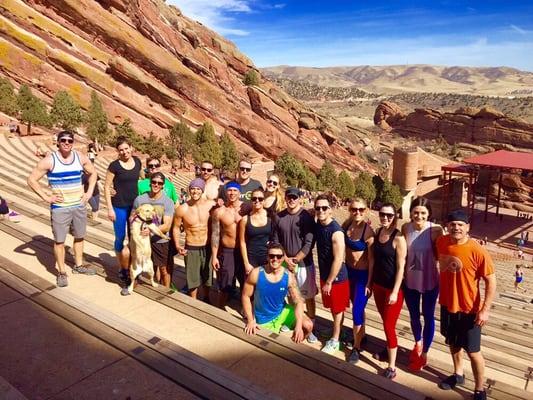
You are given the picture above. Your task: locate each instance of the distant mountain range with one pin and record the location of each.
(497, 81)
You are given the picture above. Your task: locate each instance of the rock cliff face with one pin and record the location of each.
(469, 125)
(153, 65)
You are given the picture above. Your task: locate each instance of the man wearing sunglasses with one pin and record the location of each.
(269, 286)
(64, 169)
(164, 208)
(212, 184)
(153, 165)
(294, 231)
(333, 273)
(247, 184)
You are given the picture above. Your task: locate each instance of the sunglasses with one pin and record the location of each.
(258, 198)
(292, 197)
(386, 215)
(154, 165)
(158, 183)
(321, 208)
(65, 140)
(360, 209)
(207, 169)
(275, 256)
(274, 183)
(244, 169)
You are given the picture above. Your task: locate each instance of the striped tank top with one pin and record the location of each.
(65, 179)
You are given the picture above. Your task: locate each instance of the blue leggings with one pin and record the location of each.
(121, 226)
(358, 279)
(429, 301)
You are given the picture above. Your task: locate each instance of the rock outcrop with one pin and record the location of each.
(150, 63)
(483, 126)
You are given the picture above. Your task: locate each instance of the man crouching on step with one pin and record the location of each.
(270, 285)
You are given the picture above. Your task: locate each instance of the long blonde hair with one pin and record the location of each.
(280, 196)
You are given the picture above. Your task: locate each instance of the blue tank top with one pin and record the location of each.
(65, 179)
(324, 246)
(269, 297)
(356, 245)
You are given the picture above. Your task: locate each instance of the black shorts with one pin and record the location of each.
(460, 330)
(161, 256)
(231, 266)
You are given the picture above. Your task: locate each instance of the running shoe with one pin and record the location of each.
(452, 381)
(124, 291)
(479, 395)
(390, 373)
(62, 280)
(354, 357)
(418, 363)
(331, 346)
(415, 353)
(284, 328)
(312, 338)
(82, 269)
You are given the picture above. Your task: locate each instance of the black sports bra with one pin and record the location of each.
(356, 245)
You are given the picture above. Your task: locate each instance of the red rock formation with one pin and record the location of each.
(468, 125)
(153, 65)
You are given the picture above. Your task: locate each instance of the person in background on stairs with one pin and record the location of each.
(64, 169)
(421, 282)
(386, 275)
(463, 264)
(91, 152)
(121, 179)
(212, 183)
(359, 236)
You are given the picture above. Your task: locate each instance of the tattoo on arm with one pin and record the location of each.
(215, 232)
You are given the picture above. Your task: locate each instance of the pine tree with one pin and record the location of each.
(125, 129)
(154, 146)
(96, 119)
(8, 99)
(345, 187)
(391, 193)
(327, 177)
(181, 139)
(364, 188)
(291, 169)
(32, 110)
(230, 156)
(65, 112)
(207, 146)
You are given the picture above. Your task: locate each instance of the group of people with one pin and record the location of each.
(263, 238)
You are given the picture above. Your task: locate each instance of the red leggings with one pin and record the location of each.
(389, 312)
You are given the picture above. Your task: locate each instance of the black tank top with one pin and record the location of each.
(385, 261)
(125, 183)
(257, 238)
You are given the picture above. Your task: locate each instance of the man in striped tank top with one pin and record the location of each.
(64, 169)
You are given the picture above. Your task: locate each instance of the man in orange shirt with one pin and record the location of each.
(463, 263)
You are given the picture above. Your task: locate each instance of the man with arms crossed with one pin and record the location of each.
(270, 285)
(294, 230)
(226, 255)
(333, 273)
(463, 263)
(194, 215)
(64, 169)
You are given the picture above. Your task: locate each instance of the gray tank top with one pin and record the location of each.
(421, 272)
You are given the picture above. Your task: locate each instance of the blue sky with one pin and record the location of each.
(333, 33)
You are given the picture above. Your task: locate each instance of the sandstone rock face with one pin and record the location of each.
(149, 63)
(469, 125)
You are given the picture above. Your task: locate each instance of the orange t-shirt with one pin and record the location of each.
(461, 267)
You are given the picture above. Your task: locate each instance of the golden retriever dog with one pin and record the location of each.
(140, 247)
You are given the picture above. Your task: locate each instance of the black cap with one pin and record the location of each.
(157, 175)
(293, 191)
(458, 215)
(65, 133)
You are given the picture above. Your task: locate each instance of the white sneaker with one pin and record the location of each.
(284, 328)
(312, 338)
(331, 346)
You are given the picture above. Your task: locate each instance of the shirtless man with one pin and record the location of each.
(227, 259)
(212, 184)
(194, 216)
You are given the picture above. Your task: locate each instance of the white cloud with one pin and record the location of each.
(519, 30)
(215, 14)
